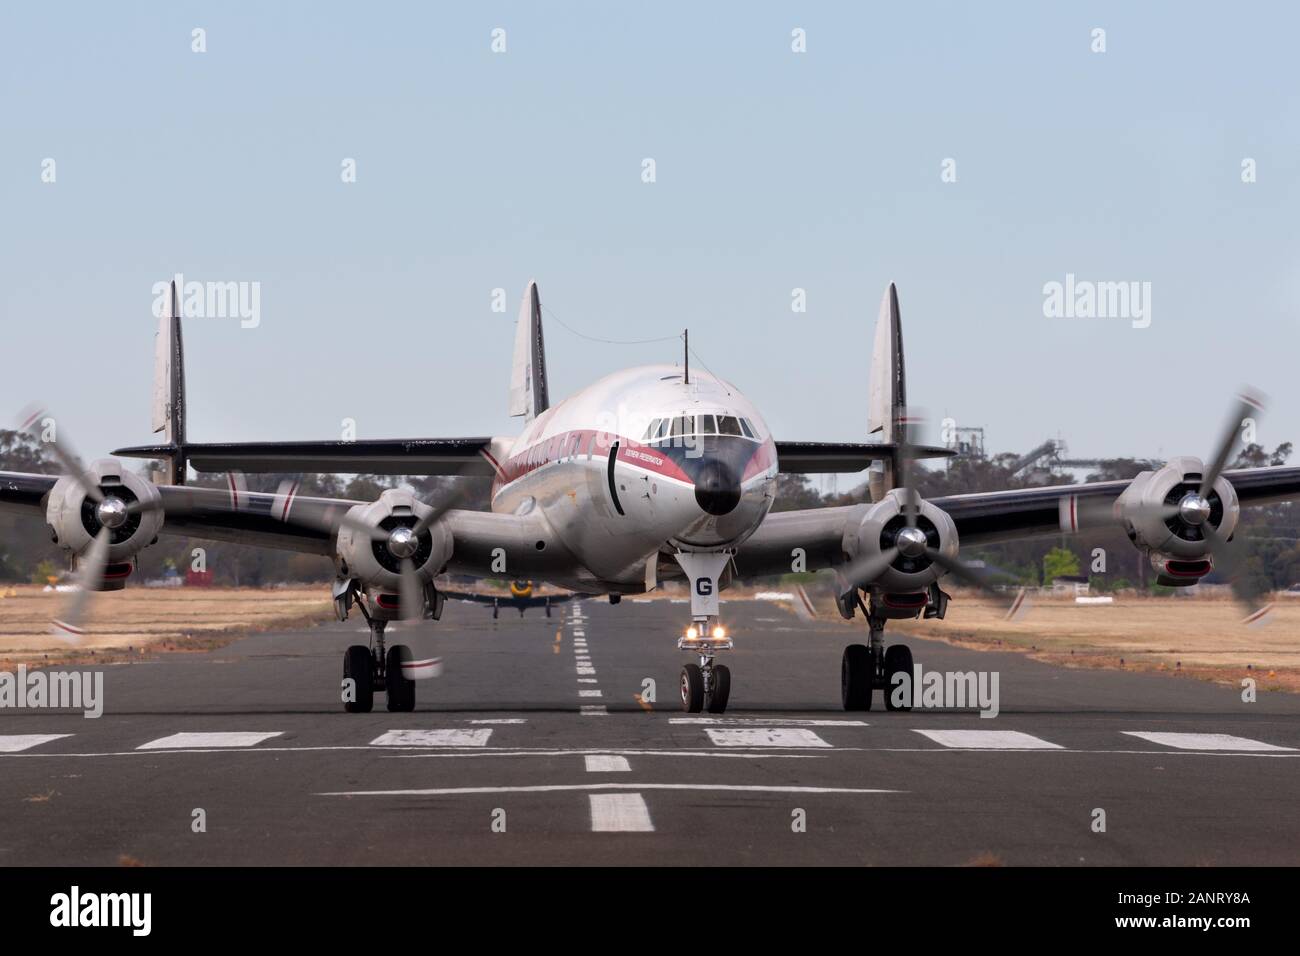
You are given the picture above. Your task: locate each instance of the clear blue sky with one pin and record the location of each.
(775, 170)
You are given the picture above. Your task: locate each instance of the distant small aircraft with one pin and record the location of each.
(521, 597)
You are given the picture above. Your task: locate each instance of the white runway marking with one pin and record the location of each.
(579, 633)
(767, 721)
(765, 737)
(620, 813)
(589, 693)
(501, 720)
(586, 670)
(1204, 741)
(606, 763)
(594, 710)
(225, 739)
(14, 743)
(558, 787)
(988, 740)
(432, 738)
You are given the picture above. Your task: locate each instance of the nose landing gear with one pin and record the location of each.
(706, 685)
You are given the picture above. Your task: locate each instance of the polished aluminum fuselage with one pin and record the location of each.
(614, 501)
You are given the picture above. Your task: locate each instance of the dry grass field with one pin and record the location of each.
(1195, 637)
(136, 620)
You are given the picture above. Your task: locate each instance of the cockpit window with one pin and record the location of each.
(683, 426)
(729, 425)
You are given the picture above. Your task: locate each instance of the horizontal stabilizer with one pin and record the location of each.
(411, 456)
(830, 457)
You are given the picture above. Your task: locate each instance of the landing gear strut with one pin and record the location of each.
(377, 666)
(866, 667)
(706, 685)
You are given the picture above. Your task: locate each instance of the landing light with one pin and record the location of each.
(692, 634)
(719, 633)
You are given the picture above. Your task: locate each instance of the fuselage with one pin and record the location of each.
(637, 462)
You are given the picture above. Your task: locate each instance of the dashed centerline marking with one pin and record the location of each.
(223, 739)
(589, 693)
(433, 738)
(620, 813)
(594, 710)
(765, 737)
(1204, 741)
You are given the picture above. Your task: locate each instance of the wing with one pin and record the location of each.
(309, 525)
(817, 535)
(409, 456)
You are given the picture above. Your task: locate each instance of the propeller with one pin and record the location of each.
(911, 541)
(403, 542)
(111, 512)
(1193, 510)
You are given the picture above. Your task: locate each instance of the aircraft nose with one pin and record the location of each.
(717, 489)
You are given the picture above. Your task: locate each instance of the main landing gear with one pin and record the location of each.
(866, 667)
(377, 667)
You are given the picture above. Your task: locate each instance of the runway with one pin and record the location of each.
(536, 747)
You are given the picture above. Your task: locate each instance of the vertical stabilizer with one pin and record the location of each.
(887, 401)
(528, 392)
(169, 389)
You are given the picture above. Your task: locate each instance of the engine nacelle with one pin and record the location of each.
(1176, 545)
(367, 558)
(906, 576)
(74, 522)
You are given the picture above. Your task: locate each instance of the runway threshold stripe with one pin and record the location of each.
(764, 737)
(606, 763)
(767, 721)
(16, 743)
(433, 738)
(1204, 741)
(988, 740)
(225, 739)
(620, 813)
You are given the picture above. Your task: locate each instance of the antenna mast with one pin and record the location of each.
(686, 357)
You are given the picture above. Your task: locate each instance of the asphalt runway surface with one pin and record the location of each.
(534, 748)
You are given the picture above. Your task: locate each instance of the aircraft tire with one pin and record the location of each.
(692, 689)
(721, 689)
(357, 666)
(898, 659)
(856, 672)
(401, 692)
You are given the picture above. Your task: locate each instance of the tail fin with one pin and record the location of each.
(887, 402)
(169, 390)
(528, 393)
